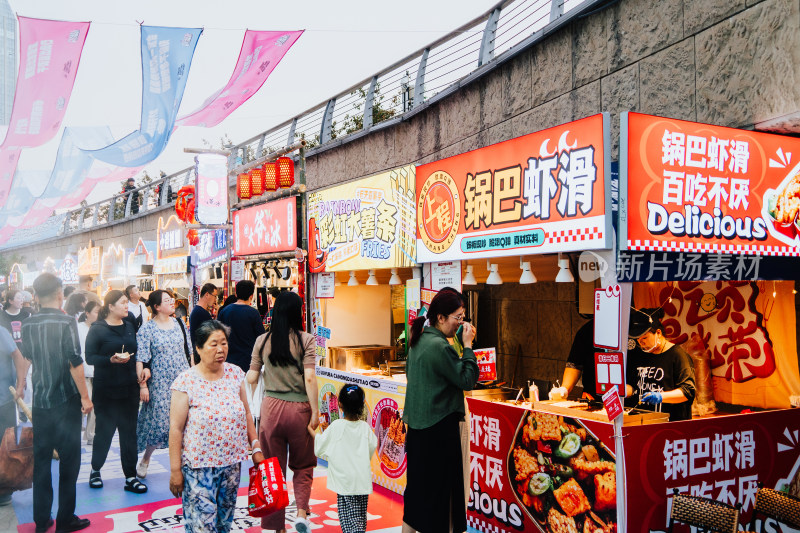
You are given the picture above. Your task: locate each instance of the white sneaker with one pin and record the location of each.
(302, 525)
(141, 470)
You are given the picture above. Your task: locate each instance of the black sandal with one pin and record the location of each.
(135, 486)
(95, 481)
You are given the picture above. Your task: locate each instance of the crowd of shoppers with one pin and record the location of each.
(160, 384)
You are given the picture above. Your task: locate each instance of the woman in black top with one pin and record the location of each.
(13, 314)
(110, 346)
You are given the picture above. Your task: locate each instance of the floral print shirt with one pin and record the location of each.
(216, 427)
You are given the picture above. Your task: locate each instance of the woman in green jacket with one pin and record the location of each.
(434, 405)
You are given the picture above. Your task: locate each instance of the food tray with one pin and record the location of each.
(640, 417)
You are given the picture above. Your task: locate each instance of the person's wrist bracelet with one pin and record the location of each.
(255, 451)
(255, 443)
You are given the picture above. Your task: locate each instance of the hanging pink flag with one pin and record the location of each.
(50, 51)
(261, 52)
(8, 166)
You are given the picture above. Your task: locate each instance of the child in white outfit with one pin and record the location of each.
(347, 445)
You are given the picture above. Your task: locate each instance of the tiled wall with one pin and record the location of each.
(542, 318)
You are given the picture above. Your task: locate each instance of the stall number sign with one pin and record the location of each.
(612, 404)
(610, 372)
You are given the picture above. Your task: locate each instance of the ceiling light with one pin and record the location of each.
(372, 280)
(353, 281)
(564, 274)
(395, 279)
(469, 278)
(494, 277)
(527, 276)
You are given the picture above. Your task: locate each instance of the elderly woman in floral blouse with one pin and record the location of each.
(210, 427)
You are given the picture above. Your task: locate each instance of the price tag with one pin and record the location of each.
(613, 404)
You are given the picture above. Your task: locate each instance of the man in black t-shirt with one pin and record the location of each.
(580, 365)
(659, 374)
(202, 311)
(245, 324)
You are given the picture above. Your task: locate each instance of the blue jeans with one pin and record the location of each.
(209, 498)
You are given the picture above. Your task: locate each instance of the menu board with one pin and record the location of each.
(699, 188)
(363, 225)
(541, 193)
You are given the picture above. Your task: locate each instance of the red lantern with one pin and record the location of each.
(257, 181)
(243, 187)
(270, 176)
(285, 172)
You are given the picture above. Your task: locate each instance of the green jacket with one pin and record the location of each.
(437, 379)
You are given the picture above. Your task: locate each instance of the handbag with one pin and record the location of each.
(16, 457)
(267, 492)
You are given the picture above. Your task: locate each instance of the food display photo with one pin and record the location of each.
(563, 476)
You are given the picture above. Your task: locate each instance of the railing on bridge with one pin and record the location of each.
(400, 90)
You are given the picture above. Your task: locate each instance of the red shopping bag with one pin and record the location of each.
(268, 492)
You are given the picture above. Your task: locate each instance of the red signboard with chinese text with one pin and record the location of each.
(693, 187)
(722, 458)
(512, 489)
(487, 364)
(265, 228)
(541, 193)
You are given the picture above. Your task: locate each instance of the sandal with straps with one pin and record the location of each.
(135, 486)
(95, 481)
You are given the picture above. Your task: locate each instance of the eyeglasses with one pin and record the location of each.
(459, 318)
(167, 301)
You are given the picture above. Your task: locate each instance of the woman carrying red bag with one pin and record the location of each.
(210, 426)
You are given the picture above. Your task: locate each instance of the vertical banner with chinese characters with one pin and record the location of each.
(535, 471)
(211, 188)
(541, 193)
(50, 52)
(265, 228)
(260, 54)
(722, 458)
(695, 187)
(166, 59)
(365, 224)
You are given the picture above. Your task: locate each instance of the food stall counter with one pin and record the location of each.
(385, 399)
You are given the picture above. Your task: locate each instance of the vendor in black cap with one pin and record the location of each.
(659, 374)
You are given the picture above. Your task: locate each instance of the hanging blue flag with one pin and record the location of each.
(166, 59)
(73, 164)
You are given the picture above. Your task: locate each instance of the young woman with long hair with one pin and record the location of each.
(289, 411)
(164, 350)
(111, 348)
(434, 406)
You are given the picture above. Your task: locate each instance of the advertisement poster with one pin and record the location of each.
(487, 364)
(172, 249)
(538, 472)
(212, 248)
(363, 225)
(541, 193)
(265, 228)
(211, 188)
(446, 274)
(723, 458)
(696, 187)
(383, 411)
(326, 284)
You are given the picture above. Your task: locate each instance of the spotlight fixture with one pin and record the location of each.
(352, 281)
(494, 276)
(395, 279)
(469, 278)
(372, 280)
(564, 274)
(527, 276)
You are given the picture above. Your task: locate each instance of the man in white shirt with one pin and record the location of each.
(136, 306)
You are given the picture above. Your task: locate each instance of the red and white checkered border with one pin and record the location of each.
(574, 235)
(712, 248)
(480, 525)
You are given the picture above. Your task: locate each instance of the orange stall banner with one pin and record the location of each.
(698, 188)
(541, 193)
